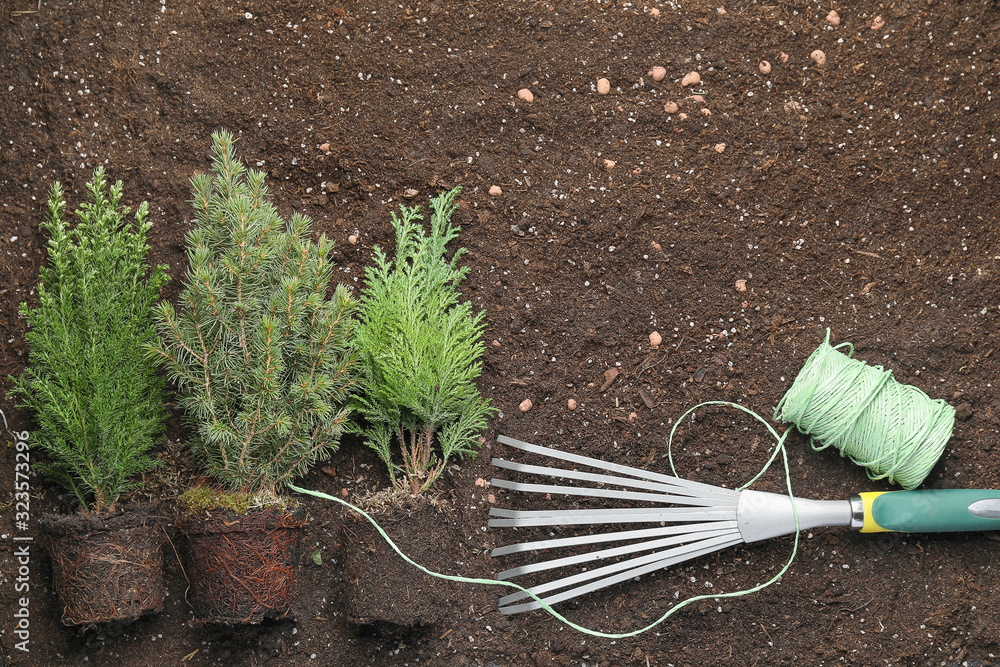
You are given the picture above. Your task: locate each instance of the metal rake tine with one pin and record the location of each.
(613, 552)
(563, 473)
(697, 487)
(643, 565)
(601, 493)
(620, 536)
(517, 518)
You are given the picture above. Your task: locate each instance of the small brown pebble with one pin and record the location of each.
(700, 99)
(655, 246)
(332, 187)
(525, 405)
(352, 239)
(878, 23)
(609, 164)
(571, 404)
(603, 86)
(344, 492)
(324, 148)
(706, 112)
(741, 285)
(330, 471)
(655, 340)
(491, 499)
(720, 148)
(658, 73)
(410, 193)
(654, 12)
(818, 57)
(764, 67)
(637, 171)
(481, 482)
(783, 57)
(495, 191)
(722, 11)
(833, 18)
(682, 116)
(633, 417)
(671, 107)
(526, 95)
(691, 79)
(496, 343)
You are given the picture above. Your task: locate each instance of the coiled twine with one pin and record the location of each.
(894, 430)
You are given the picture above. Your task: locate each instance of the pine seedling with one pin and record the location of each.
(258, 353)
(420, 352)
(96, 396)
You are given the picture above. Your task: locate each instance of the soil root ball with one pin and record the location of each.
(379, 586)
(242, 567)
(106, 567)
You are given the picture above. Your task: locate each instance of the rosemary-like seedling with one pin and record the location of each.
(97, 398)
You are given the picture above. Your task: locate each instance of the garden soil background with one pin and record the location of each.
(860, 196)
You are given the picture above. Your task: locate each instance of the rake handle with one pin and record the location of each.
(931, 510)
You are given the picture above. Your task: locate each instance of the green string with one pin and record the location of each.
(779, 448)
(894, 430)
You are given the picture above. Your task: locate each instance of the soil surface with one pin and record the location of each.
(859, 195)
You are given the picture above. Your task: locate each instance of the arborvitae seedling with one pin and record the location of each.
(420, 351)
(257, 351)
(95, 394)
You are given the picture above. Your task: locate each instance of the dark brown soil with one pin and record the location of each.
(861, 196)
(241, 567)
(106, 567)
(379, 586)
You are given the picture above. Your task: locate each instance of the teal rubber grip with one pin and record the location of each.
(933, 510)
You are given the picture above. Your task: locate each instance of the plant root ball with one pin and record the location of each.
(526, 95)
(603, 86)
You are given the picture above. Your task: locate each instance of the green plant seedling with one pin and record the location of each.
(258, 353)
(96, 396)
(420, 351)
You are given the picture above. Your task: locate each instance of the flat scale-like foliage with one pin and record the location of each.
(420, 351)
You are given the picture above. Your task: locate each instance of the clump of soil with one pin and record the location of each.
(106, 567)
(242, 566)
(379, 585)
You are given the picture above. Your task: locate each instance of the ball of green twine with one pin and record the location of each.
(894, 430)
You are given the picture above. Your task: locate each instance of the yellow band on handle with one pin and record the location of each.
(871, 526)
